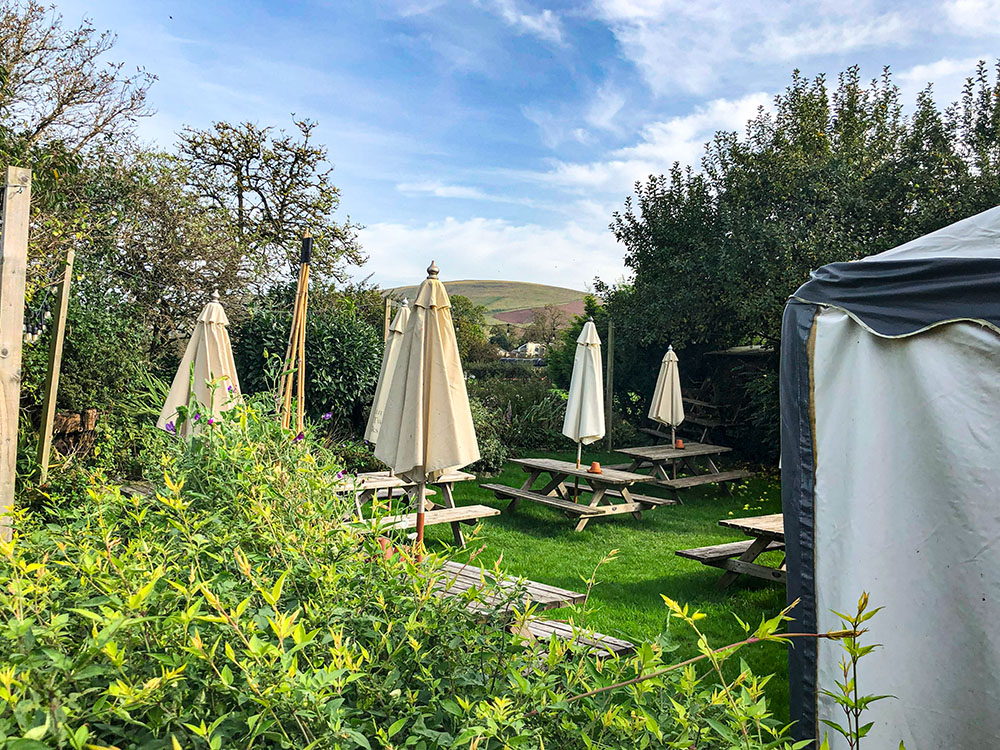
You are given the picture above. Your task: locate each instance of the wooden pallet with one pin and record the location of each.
(459, 577)
(510, 493)
(598, 644)
(696, 481)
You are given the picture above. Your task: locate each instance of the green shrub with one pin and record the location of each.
(529, 412)
(490, 432)
(235, 608)
(343, 356)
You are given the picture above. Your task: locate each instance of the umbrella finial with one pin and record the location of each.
(405, 302)
(670, 347)
(432, 270)
(215, 296)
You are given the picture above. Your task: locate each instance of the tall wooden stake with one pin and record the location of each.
(388, 313)
(293, 378)
(609, 388)
(52, 376)
(14, 214)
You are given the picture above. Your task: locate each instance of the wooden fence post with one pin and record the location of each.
(609, 388)
(14, 215)
(52, 376)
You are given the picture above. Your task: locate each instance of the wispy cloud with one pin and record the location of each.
(444, 190)
(974, 17)
(543, 24)
(661, 143)
(883, 30)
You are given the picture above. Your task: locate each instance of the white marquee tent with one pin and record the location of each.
(890, 415)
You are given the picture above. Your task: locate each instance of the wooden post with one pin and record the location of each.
(609, 387)
(52, 377)
(14, 214)
(388, 314)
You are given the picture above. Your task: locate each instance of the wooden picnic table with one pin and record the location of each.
(661, 462)
(371, 486)
(739, 558)
(584, 499)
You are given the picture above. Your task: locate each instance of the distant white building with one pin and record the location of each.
(531, 349)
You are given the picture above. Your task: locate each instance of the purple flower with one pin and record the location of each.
(169, 427)
(340, 475)
(299, 437)
(229, 388)
(197, 416)
(328, 415)
(211, 420)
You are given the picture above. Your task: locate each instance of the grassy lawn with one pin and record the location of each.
(539, 543)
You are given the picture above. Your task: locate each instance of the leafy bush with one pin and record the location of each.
(529, 412)
(235, 608)
(497, 369)
(343, 356)
(490, 432)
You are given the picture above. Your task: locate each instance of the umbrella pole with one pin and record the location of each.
(673, 444)
(576, 480)
(421, 498)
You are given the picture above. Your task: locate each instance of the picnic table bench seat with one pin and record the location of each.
(502, 491)
(462, 577)
(460, 514)
(694, 481)
(716, 552)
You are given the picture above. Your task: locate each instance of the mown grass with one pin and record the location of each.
(540, 544)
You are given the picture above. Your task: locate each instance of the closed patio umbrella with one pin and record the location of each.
(207, 372)
(389, 358)
(584, 422)
(427, 427)
(667, 406)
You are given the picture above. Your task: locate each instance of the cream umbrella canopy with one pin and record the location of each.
(584, 421)
(207, 372)
(426, 427)
(667, 406)
(389, 359)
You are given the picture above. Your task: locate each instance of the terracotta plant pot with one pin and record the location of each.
(595, 468)
(679, 444)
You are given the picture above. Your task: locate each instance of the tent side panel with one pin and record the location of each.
(797, 492)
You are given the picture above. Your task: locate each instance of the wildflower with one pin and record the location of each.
(298, 438)
(197, 416)
(340, 475)
(169, 427)
(328, 415)
(229, 389)
(211, 420)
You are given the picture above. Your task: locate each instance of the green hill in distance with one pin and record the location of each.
(510, 301)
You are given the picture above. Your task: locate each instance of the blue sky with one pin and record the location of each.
(497, 136)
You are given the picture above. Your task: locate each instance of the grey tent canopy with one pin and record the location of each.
(890, 448)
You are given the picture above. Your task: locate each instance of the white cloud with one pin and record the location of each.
(973, 17)
(662, 143)
(542, 24)
(571, 254)
(887, 30)
(698, 47)
(437, 189)
(948, 76)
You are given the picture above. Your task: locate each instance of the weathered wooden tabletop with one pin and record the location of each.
(761, 527)
(568, 468)
(658, 453)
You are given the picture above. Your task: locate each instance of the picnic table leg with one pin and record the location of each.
(627, 497)
(715, 470)
(753, 552)
(449, 502)
(594, 501)
(515, 501)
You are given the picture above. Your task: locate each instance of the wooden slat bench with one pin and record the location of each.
(461, 577)
(461, 514)
(737, 558)
(596, 643)
(502, 491)
(646, 499)
(695, 481)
